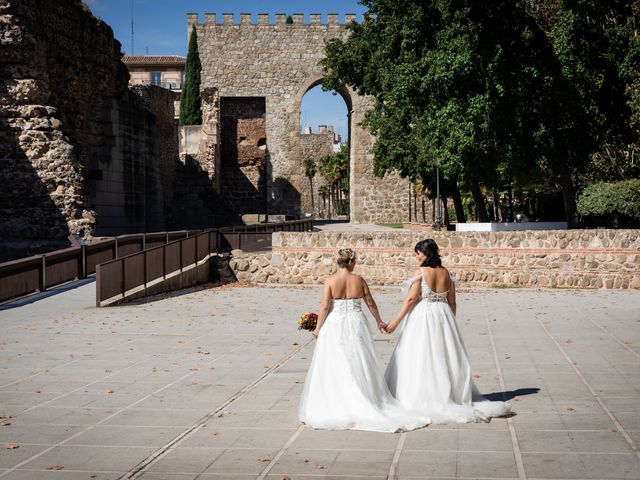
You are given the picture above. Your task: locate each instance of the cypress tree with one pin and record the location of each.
(190, 112)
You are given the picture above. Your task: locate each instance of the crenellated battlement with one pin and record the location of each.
(265, 19)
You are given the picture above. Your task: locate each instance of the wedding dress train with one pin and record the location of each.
(429, 370)
(344, 388)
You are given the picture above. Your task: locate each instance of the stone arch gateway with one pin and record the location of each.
(254, 76)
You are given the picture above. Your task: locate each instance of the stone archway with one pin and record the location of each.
(277, 64)
(346, 94)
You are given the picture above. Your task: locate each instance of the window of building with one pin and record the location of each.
(156, 78)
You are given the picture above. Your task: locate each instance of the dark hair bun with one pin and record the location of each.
(429, 248)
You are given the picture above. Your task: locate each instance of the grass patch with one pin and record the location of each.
(391, 225)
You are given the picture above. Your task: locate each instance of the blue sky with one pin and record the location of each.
(160, 28)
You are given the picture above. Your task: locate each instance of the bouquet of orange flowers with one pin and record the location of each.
(308, 321)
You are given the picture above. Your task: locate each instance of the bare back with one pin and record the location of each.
(438, 279)
(346, 285)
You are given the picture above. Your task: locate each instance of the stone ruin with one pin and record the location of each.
(84, 154)
(253, 79)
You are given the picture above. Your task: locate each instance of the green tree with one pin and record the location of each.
(190, 111)
(462, 82)
(335, 170)
(310, 170)
(597, 48)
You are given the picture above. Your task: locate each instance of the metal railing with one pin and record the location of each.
(41, 272)
(182, 263)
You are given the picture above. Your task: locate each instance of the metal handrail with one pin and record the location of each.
(179, 264)
(40, 272)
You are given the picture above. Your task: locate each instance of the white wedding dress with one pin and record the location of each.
(429, 370)
(345, 388)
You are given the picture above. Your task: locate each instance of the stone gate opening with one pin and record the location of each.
(324, 141)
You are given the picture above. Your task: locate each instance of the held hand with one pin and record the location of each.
(382, 327)
(316, 332)
(391, 327)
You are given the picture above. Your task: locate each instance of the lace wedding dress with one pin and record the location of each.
(344, 388)
(429, 370)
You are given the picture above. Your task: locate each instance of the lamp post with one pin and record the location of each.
(438, 210)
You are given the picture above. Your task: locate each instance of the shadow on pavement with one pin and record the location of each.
(21, 302)
(504, 396)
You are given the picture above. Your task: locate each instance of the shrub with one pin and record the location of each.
(611, 204)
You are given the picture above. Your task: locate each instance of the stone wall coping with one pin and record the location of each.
(624, 240)
(246, 20)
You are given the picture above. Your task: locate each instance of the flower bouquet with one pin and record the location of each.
(308, 321)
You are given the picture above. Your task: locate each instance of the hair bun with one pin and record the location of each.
(345, 255)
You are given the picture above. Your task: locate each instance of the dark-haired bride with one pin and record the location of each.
(429, 370)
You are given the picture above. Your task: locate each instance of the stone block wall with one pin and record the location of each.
(314, 146)
(57, 63)
(574, 258)
(62, 87)
(131, 186)
(280, 62)
(243, 154)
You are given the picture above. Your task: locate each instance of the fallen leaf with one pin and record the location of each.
(55, 467)
(215, 434)
(4, 421)
(264, 459)
(571, 409)
(11, 446)
(321, 467)
(295, 343)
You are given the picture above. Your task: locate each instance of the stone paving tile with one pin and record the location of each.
(189, 460)
(295, 462)
(245, 461)
(166, 375)
(427, 464)
(98, 458)
(486, 464)
(237, 438)
(127, 436)
(59, 475)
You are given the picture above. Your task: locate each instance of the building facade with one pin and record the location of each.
(165, 71)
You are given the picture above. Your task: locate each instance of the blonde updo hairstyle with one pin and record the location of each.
(345, 255)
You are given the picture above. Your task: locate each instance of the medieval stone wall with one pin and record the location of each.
(574, 258)
(244, 154)
(280, 62)
(57, 62)
(61, 87)
(131, 188)
(314, 146)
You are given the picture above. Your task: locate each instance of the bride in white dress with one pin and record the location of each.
(345, 388)
(429, 370)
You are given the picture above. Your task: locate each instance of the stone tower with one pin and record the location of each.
(256, 75)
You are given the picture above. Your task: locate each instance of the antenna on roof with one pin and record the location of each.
(132, 28)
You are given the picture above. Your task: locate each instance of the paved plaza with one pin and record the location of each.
(205, 384)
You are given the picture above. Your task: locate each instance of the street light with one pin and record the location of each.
(438, 210)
